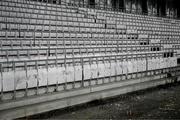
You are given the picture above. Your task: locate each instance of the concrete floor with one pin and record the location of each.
(155, 103)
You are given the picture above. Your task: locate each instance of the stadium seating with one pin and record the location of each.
(46, 44)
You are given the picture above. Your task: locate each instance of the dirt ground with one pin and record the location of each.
(156, 103)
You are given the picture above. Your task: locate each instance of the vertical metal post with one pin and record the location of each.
(1, 72)
(146, 55)
(47, 69)
(27, 79)
(126, 65)
(104, 68)
(136, 59)
(121, 60)
(89, 65)
(37, 86)
(115, 69)
(82, 65)
(56, 64)
(97, 68)
(110, 67)
(14, 92)
(74, 71)
(65, 65)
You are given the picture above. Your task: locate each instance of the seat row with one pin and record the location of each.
(71, 50)
(27, 42)
(130, 19)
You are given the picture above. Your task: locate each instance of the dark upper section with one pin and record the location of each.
(166, 8)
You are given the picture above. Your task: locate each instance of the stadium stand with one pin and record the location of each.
(44, 44)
